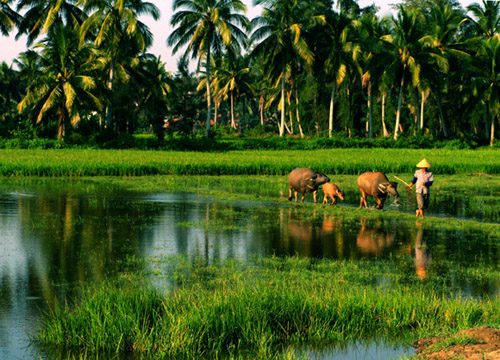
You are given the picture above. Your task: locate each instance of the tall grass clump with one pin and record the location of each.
(253, 306)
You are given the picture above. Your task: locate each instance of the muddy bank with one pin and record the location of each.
(474, 344)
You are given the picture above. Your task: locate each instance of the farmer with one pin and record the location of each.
(424, 180)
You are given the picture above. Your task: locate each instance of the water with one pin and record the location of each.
(55, 235)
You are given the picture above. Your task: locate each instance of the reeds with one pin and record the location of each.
(78, 162)
(231, 306)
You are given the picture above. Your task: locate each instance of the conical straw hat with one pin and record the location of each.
(423, 164)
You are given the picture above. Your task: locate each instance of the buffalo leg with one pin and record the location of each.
(362, 200)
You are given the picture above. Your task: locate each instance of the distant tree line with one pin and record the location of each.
(302, 68)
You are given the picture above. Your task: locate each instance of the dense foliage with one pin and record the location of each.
(313, 69)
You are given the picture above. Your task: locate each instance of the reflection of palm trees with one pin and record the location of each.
(422, 257)
(373, 240)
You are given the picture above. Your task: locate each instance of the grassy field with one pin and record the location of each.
(76, 162)
(257, 305)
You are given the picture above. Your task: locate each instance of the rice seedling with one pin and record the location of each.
(88, 162)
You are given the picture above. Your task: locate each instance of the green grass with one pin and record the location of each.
(255, 306)
(78, 162)
(456, 340)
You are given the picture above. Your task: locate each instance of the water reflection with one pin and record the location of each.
(374, 240)
(423, 256)
(55, 235)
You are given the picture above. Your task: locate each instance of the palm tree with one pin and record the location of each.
(11, 88)
(371, 58)
(115, 28)
(8, 17)
(278, 38)
(445, 24)
(41, 15)
(486, 66)
(208, 26)
(487, 18)
(234, 79)
(154, 86)
(407, 43)
(339, 56)
(63, 83)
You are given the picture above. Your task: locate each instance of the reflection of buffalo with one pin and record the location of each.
(374, 240)
(330, 224)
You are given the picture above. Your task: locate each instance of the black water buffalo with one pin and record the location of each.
(303, 181)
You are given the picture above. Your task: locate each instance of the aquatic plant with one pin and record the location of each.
(255, 305)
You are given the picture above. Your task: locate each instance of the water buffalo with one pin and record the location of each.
(332, 191)
(376, 184)
(304, 180)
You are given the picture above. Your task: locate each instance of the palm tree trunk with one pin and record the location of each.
(209, 95)
(422, 104)
(233, 124)
(370, 110)
(384, 128)
(297, 112)
(261, 108)
(288, 96)
(332, 108)
(282, 124)
(60, 125)
(216, 108)
(398, 113)
(109, 108)
(492, 130)
(441, 116)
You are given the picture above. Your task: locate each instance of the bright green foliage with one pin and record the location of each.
(255, 305)
(75, 162)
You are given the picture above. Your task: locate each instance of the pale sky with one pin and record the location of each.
(10, 48)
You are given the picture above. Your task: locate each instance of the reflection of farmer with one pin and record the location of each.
(422, 258)
(424, 180)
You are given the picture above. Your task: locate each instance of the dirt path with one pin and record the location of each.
(473, 344)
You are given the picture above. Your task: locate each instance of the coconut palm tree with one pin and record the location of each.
(486, 66)
(41, 15)
(11, 88)
(486, 17)
(340, 55)
(234, 79)
(371, 56)
(154, 86)
(445, 24)
(407, 43)
(114, 27)
(207, 27)
(279, 39)
(63, 83)
(8, 17)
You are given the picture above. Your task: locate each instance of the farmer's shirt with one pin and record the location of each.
(423, 180)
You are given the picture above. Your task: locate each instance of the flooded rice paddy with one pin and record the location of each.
(57, 234)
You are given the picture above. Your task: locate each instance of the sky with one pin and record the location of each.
(10, 48)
